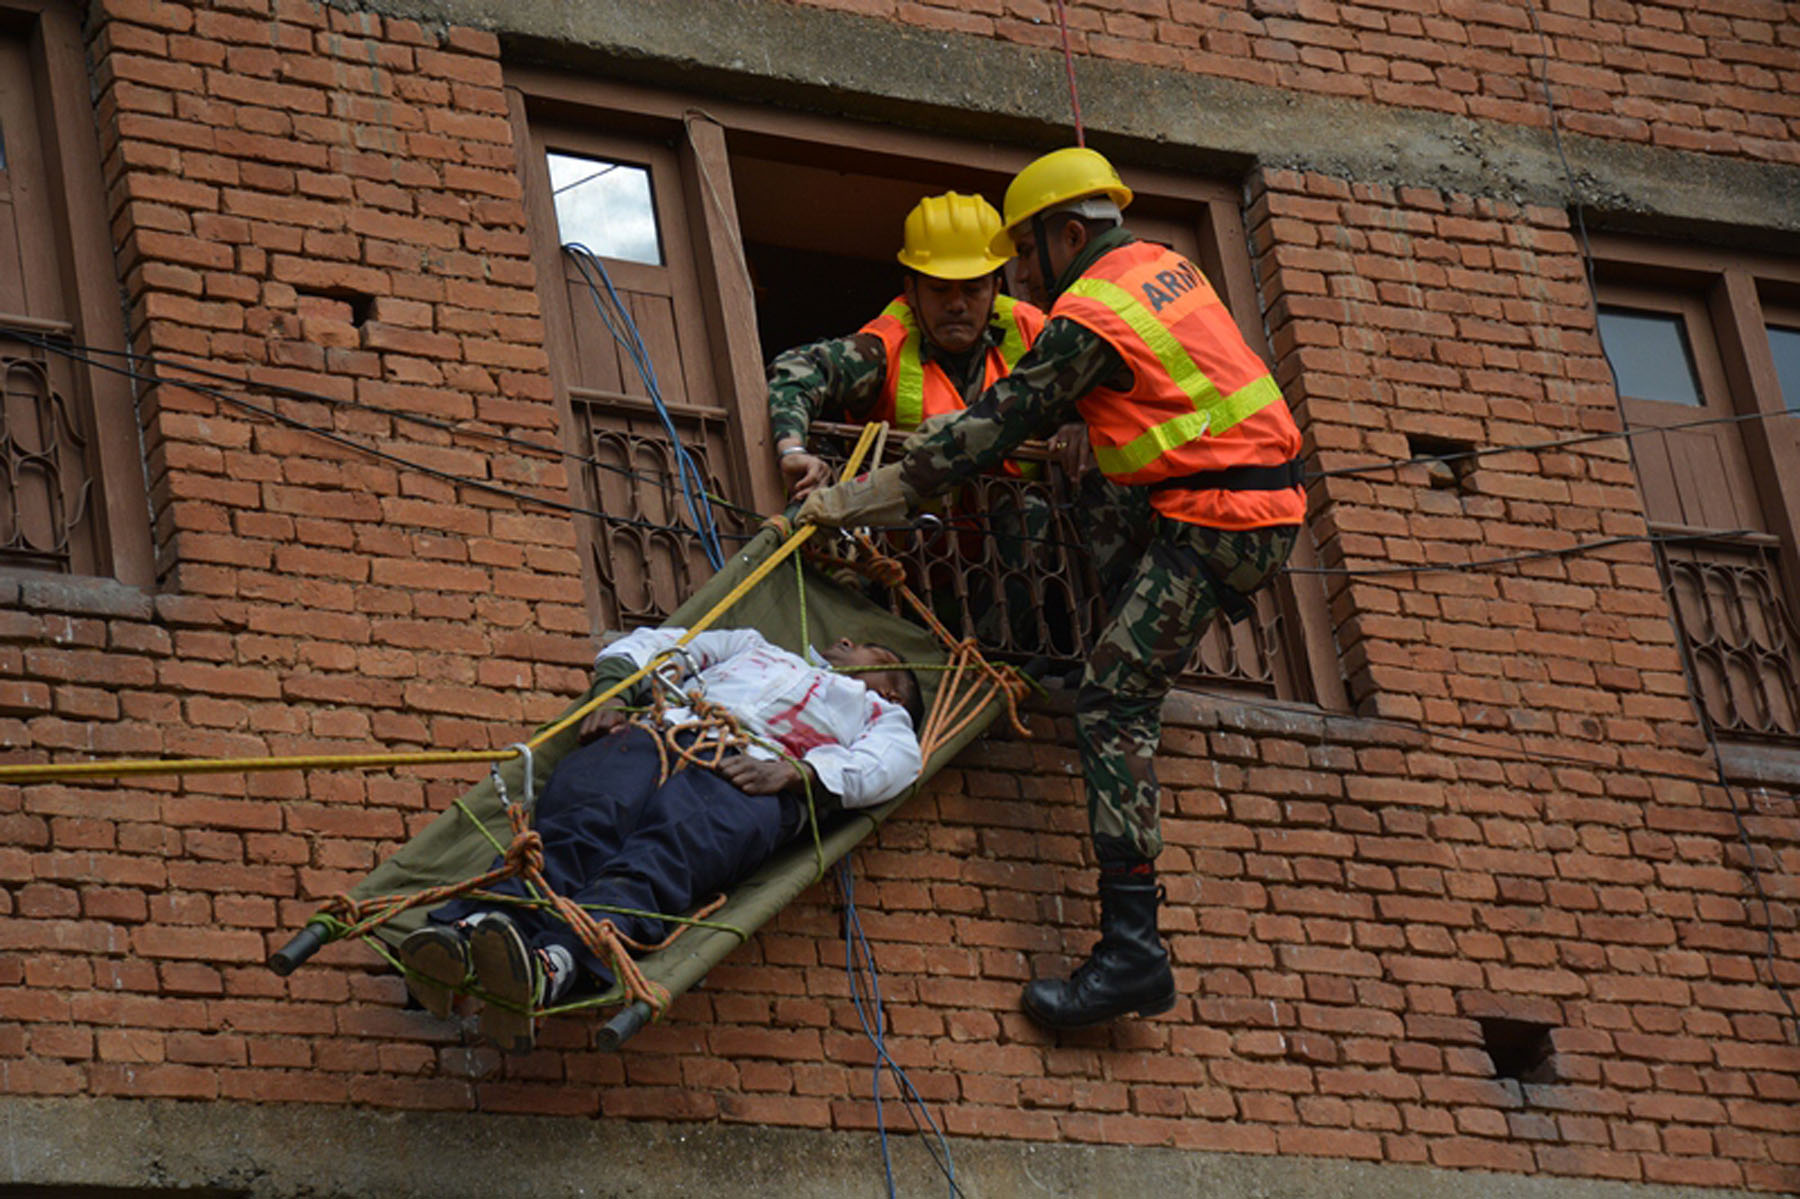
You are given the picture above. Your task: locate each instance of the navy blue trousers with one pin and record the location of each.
(613, 836)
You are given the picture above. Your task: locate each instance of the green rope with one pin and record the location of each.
(614, 910)
(339, 929)
(480, 826)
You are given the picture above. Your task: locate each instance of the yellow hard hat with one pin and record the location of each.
(1053, 181)
(948, 237)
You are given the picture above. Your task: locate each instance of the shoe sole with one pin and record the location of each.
(503, 972)
(435, 968)
(1150, 1007)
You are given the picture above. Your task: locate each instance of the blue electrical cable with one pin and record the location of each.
(873, 1019)
(693, 485)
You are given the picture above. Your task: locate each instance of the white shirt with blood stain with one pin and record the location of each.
(861, 746)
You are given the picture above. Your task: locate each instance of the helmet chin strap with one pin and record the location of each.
(1039, 231)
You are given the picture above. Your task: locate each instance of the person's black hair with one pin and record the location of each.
(913, 273)
(1095, 225)
(914, 700)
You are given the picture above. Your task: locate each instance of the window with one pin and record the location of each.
(605, 207)
(736, 233)
(1699, 353)
(1650, 355)
(71, 476)
(634, 362)
(1784, 348)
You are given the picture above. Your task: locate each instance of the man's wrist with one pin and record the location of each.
(788, 451)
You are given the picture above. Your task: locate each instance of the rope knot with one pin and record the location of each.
(525, 856)
(344, 906)
(889, 572)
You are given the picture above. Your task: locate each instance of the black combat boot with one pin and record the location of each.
(1127, 971)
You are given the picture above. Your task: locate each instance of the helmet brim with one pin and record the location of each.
(953, 267)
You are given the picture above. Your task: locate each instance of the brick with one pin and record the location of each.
(1344, 901)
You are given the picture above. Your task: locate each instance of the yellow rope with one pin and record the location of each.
(44, 771)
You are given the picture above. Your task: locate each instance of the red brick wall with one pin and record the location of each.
(1721, 76)
(1347, 897)
(1542, 858)
(267, 166)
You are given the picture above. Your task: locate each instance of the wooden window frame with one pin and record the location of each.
(52, 37)
(1725, 297)
(698, 131)
(1785, 312)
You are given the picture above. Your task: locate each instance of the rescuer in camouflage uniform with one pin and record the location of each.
(938, 345)
(947, 336)
(1196, 505)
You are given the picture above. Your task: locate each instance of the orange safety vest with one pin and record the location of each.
(914, 389)
(1204, 425)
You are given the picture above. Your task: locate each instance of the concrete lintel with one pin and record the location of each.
(878, 70)
(274, 1151)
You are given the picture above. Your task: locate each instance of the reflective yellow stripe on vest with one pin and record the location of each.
(1012, 345)
(909, 387)
(1213, 413)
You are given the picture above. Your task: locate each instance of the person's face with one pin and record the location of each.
(952, 312)
(891, 685)
(1067, 240)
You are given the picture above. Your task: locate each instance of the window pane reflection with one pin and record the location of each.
(605, 206)
(1650, 355)
(1785, 345)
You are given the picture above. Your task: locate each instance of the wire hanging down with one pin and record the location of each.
(619, 323)
(1062, 21)
(865, 996)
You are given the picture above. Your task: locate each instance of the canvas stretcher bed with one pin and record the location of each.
(793, 604)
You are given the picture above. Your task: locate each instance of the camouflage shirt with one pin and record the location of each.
(843, 378)
(1066, 362)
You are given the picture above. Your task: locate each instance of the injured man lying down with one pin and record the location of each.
(623, 839)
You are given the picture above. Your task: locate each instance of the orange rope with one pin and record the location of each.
(959, 701)
(715, 733)
(524, 859)
(960, 696)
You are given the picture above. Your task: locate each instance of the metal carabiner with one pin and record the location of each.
(671, 680)
(926, 526)
(528, 781)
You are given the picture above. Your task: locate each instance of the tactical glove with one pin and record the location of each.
(877, 498)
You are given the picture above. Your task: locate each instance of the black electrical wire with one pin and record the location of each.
(1625, 435)
(93, 356)
(1771, 947)
(52, 345)
(964, 523)
(1570, 551)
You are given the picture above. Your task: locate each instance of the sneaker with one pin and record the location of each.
(520, 978)
(436, 961)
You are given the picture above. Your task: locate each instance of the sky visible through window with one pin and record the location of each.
(1784, 344)
(1649, 355)
(605, 206)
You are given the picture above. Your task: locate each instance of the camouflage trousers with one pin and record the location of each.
(1160, 579)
